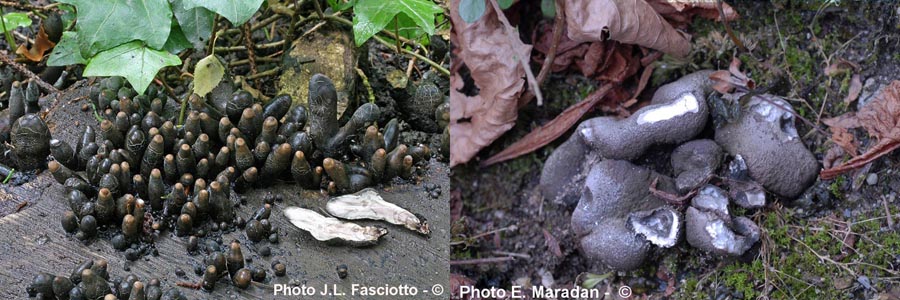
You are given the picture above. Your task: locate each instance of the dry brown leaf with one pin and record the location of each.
(543, 135)
(728, 81)
(843, 138)
(855, 88)
(881, 119)
(492, 57)
(626, 21)
(846, 121)
(552, 244)
(689, 8)
(42, 44)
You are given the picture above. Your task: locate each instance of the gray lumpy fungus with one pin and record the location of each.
(767, 140)
(617, 218)
(694, 162)
(677, 113)
(710, 228)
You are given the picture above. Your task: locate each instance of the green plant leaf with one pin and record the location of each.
(176, 41)
(68, 18)
(471, 10)
(13, 20)
(196, 23)
(103, 24)
(134, 61)
(371, 16)
(339, 5)
(504, 4)
(207, 74)
(66, 51)
(236, 11)
(548, 8)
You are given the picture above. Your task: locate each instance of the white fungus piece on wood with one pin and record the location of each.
(368, 205)
(329, 229)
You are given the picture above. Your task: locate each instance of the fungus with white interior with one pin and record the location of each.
(767, 140)
(367, 204)
(332, 230)
(617, 218)
(709, 226)
(677, 113)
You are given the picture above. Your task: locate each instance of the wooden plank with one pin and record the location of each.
(32, 241)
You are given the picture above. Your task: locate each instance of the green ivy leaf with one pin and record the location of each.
(134, 61)
(66, 51)
(68, 18)
(207, 74)
(103, 24)
(196, 23)
(236, 11)
(471, 10)
(548, 8)
(13, 20)
(371, 16)
(177, 41)
(504, 4)
(339, 5)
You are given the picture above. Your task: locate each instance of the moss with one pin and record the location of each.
(835, 187)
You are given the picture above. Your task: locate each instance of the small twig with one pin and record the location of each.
(483, 234)
(265, 22)
(22, 37)
(365, 81)
(273, 71)
(670, 198)
(520, 255)
(433, 64)
(244, 48)
(479, 261)
(21, 205)
(318, 9)
(314, 28)
(734, 38)
(258, 59)
(211, 48)
(551, 54)
(168, 89)
(825, 258)
(248, 43)
(409, 67)
(22, 6)
(887, 211)
(22, 69)
(397, 30)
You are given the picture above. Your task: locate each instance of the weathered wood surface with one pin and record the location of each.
(32, 240)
